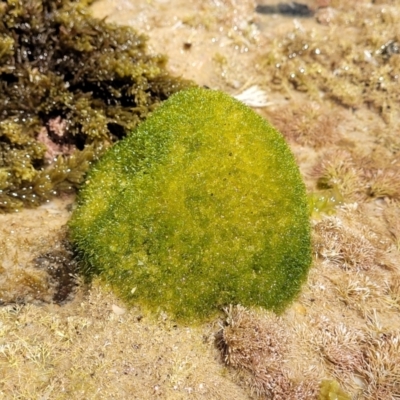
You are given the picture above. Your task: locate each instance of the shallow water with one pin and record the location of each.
(348, 309)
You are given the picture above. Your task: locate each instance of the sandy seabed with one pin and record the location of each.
(345, 325)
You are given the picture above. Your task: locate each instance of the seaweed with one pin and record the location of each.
(331, 390)
(324, 202)
(201, 207)
(257, 345)
(70, 86)
(307, 123)
(353, 61)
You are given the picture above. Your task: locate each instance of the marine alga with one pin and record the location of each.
(200, 207)
(70, 85)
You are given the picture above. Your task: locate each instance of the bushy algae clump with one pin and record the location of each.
(201, 206)
(353, 61)
(70, 85)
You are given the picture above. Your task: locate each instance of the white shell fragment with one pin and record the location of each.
(253, 97)
(118, 310)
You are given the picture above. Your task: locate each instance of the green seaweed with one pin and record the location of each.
(70, 86)
(324, 202)
(200, 207)
(331, 390)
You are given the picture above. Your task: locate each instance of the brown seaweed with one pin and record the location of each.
(70, 86)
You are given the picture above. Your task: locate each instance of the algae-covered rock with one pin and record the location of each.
(201, 206)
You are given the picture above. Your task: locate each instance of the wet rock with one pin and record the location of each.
(293, 9)
(61, 268)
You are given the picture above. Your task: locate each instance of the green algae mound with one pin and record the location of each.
(200, 207)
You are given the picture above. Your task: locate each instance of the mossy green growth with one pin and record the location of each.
(200, 207)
